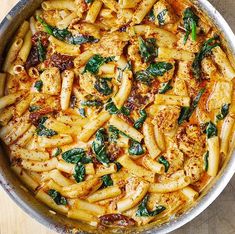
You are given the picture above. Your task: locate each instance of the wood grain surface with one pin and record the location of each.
(219, 218)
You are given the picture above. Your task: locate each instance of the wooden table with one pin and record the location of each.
(219, 218)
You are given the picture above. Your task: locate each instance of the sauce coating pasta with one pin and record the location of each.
(117, 113)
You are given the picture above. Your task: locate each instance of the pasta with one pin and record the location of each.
(117, 112)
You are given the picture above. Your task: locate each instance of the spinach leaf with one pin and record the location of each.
(38, 85)
(41, 51)
(65, 35)
(164, 87)
(95, 62)
(151, 16)
(107, 181)
(99, 148)
(206, 162)
(148, 50)
(74, 155)
(82, 112)
(190, 24)
(186, 112)
(144, 212)
(224, 112)
(57, 151)
(90, 103)
(154, 70)
(102, 86)
(111, 107)
(113, 133)
(205, 50)
(125, 110)
(143, 115)
(79, 172)
(34, 108)
(41, 130)
(57, 197)
(89, 1)
(79, 40)
(161, 17)
(135, 148)
(211, 130)
(163, 161)
(119, 166)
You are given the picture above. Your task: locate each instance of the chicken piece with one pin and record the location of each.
(51, 81)
(180, 87)
(51, 17)
(191, 141)
(164, 13)
(111, 44)
(221, 94)
(166, 119)
(190, 45)
(208, 68)
(193, 168)
(175, 158)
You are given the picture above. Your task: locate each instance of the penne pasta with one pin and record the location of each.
(162, 99)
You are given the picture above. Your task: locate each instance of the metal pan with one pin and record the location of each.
(60, 223)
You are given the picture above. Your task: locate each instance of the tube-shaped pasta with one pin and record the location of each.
(12, 54)
(214, 157)
(58, 140)
(29, 154)
(80, 189)
(16, 132)
(149, 139)
(6, 115)
(135, 169)
(107, 68)
(26, 137)
(164, 37)
(102, 170)
(190, 193)
(170, 186)
(2, 83)
(33, 72)
(90, 208)
(134, 198)
(84, 216)
(142, 10)
(163, 99)
(32, 23)
(64, 48)
(45, 198)
(25, 178)
(59, 178)
(59, 5)
(128, 3)
(226, 134)
(91, 127)
(23, 29)
(22, 106)
(82, 58)
(24, 51)
(153, 165)
(67, 84)
(39, 166)
(223, 62)
(73, 120)
(66, 21)
(159, 137)
(111, 4)
(94, 11)
(124, 90)
(109, 192)
(126, 128)
(166, 53)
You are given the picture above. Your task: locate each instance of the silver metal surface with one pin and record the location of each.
(60, 223)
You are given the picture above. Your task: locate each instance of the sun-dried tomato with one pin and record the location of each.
(63, 62)
(42, 36)
(35, 116)
(116, 220)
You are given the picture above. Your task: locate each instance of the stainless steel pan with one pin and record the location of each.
(61, 224)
